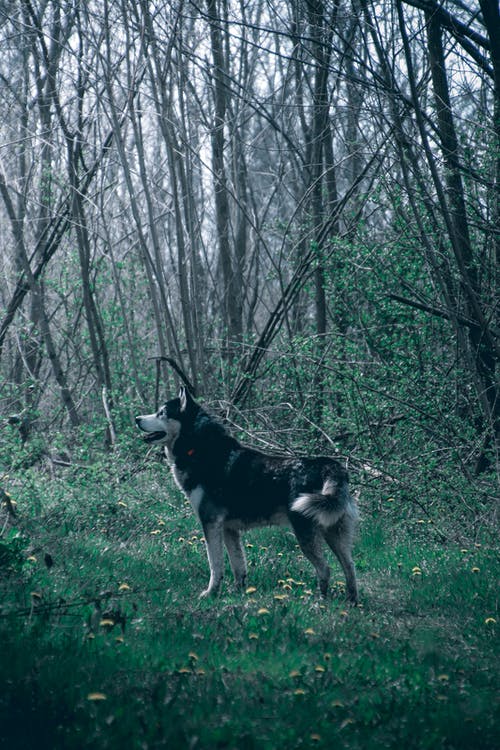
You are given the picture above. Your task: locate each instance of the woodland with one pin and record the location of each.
(294, 207)
(298, 203)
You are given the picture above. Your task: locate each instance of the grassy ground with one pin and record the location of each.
(105, 644)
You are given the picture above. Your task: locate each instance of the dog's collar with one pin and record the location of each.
(190, 452)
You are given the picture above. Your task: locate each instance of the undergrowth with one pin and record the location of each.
(105, 643)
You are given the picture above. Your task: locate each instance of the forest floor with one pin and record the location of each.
(105, 643)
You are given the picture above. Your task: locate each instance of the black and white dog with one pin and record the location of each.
(233, 488)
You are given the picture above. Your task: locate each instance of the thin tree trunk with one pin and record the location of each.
(39, 309)
(481, 339)
(232, 294)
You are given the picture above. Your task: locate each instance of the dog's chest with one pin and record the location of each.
(181, 478)
(194, 493)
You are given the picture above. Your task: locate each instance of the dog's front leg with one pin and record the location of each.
(213, 531)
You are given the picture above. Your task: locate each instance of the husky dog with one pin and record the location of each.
(232, 488)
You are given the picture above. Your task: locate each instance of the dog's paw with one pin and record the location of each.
(209, 593)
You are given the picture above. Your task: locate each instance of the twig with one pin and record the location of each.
(173, 364)
(112, 434)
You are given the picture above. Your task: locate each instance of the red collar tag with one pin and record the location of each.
(190, 452)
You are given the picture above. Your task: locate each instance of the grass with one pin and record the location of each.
(105, 644)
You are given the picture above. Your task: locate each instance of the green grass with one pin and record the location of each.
(413, 667)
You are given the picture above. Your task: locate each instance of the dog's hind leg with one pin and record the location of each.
(311, 544)
(236, 554)
(213, 531)
(339, 539)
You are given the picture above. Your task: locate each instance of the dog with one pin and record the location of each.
(232, 488)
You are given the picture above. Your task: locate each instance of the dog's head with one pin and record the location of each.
(164, 427)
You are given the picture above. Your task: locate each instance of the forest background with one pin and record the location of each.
(298, 203)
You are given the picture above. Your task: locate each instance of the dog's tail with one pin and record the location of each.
(328, 506)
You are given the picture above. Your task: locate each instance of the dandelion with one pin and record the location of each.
(249, 545)
(344, 613)
(287, 587)
(318, 668)
(119, 639)
(346, 723)
(192, 656)
(316, 737)
(156, 531)
(121, 504)
(107, 623)
(251, 590)
(299, 691)
(200, 672)
(416, 569)
(31, 558)
(475, 569)
(280, 597)
(96, 697)
(253, 636)
(294, 673)
(443, 677)
(309, 631)
(36, 595)
(184, 670)
(123, 587)
(464, 551)
(337, 704)
(490, 621)
(263, 611)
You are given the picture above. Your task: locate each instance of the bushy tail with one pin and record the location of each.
(328, 506)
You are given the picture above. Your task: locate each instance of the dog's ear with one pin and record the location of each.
(185, 398)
